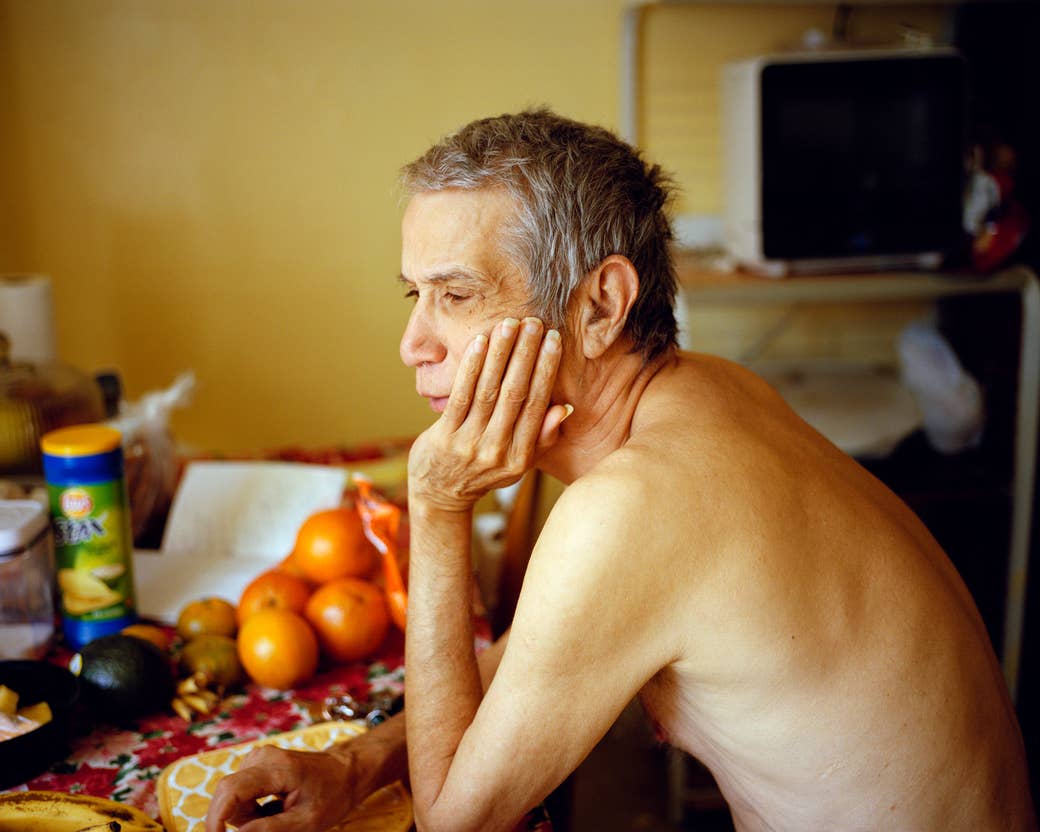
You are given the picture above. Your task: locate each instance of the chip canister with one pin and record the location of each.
(93, 542)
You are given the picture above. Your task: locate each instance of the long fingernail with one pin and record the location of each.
(532, 325)
(509, 326)
(552, 340)
(570, 409)
(479, 343)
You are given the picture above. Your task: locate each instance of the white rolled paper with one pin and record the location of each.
(27, 317)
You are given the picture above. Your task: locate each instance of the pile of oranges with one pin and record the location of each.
(320, 601)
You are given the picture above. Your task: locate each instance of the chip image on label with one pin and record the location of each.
(82, 592)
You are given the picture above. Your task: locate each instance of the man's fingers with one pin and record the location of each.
(237, 806)
(500, 347)
(285, 822)
(517, 382)
(234, 800)
(532, 417)
(464, 385)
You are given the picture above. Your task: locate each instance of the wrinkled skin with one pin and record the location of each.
(318, 789)
(495, 420)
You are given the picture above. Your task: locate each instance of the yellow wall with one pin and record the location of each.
(211, 185)
(9, 249)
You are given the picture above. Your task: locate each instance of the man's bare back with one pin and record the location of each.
(839, 675)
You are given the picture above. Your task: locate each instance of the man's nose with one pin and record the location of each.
(419, 343)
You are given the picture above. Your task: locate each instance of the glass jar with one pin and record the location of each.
(26, 580)
(35, 400)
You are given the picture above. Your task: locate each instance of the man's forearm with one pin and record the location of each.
(442, 680)
(489, 659)
(382, 752)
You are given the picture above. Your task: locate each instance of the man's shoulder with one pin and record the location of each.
(665, 466)
(622, 484)
(631, 501)
(618, 547)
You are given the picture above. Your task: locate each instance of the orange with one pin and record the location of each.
(350, 617)
(207, 616)
(274, 588)
(278, 648)
(331, 544)
(288, 565)
(149, 632)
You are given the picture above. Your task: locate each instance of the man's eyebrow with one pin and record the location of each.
(474, 279)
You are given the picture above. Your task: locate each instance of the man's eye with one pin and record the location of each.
(451, 297)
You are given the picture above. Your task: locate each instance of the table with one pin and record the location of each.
(123, 763)
(704, 286)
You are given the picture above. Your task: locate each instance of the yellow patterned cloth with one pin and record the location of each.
(186, 787)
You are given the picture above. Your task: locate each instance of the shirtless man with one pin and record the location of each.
(782, 615)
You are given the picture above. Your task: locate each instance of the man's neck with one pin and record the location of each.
(606, 398)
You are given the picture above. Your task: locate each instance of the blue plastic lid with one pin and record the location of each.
(83, 470)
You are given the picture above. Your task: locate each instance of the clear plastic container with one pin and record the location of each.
(26, 580)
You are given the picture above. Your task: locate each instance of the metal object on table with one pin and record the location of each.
(379, 708)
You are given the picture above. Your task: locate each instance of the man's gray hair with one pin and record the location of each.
(582, 194)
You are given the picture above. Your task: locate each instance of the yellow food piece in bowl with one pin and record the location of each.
(8, 701)
(15, 721)
(40, 713)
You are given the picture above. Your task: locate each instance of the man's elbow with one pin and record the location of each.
(446, 817)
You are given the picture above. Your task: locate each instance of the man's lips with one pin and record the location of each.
(438, 403)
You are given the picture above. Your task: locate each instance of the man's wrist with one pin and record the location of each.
(376, 758)
(428, 509)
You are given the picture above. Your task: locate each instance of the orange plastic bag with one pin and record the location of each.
(381, 520)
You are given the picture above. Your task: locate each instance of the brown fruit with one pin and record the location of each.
(215, 657)
(207, 616)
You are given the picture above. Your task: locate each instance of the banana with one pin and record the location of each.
(59, 812)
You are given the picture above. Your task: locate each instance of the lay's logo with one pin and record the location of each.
(76, 503)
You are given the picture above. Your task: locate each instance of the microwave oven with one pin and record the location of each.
(844, 160)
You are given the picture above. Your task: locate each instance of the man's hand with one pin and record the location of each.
(317, 789)
(497, 419)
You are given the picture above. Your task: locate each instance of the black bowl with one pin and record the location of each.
(25, 756)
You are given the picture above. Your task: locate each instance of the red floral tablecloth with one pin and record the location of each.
(123, 762)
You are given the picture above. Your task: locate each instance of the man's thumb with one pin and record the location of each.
(550, 432)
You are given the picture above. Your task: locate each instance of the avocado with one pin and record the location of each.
(123, 677)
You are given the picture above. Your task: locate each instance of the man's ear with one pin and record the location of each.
(609, 291)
